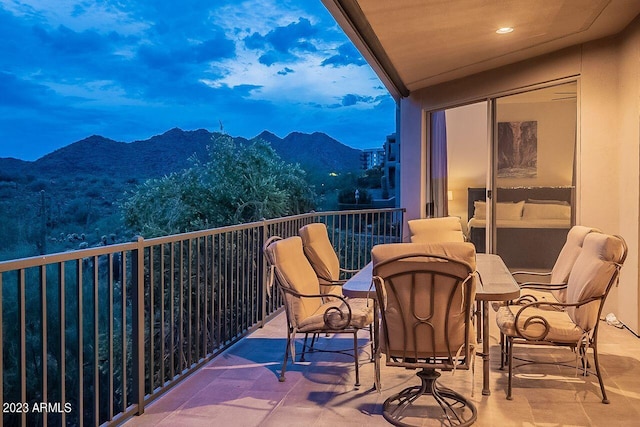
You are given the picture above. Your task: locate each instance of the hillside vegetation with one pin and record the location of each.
(73, 197)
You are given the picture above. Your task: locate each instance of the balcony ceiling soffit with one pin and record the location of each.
(432, 41)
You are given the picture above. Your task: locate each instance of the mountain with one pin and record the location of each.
(316, 151)
(171, 151)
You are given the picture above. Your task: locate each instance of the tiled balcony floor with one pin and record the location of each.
(240, 388)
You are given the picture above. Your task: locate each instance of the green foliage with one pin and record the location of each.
(371, 178)
(239, 183)
(348, 196)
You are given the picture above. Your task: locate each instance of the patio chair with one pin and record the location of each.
(554, 290)
(308, 310)
(320, 253)
(426, 302)
(434, 230)
(595, 270)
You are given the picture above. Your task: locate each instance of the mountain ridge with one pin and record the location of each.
(172, 150)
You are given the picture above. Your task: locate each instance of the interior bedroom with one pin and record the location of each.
(534, 173)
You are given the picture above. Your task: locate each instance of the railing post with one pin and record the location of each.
(262, 277)
(137, 327)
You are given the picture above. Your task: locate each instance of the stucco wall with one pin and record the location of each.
(608, 157)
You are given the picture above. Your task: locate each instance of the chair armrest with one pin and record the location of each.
(543, 286)
(516, 274)
(334, 317)
(532, 273)
(539, 319)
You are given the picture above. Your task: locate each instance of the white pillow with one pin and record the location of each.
(504, 210)
(511, 211)
(534, 211)
(479, 210)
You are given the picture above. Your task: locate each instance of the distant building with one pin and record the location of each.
(391, 166)
(372, 157)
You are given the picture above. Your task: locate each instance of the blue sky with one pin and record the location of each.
(128, 70)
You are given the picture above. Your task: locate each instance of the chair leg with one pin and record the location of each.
(286, 356)
(509, 343)
(371, 342)
(355, 357)
(598, 373)
(304, 345)
(456, 409)
(503, 351)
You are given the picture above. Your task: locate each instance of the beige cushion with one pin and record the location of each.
(428, 230)
(591, 275)
(561, 268)
(462, 251)
(562, 329)
(321, 255)
(424, 341)
(361, 315)
(292, 265)
(567, 257)
(535, 294)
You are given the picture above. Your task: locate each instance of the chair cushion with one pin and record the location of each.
(319, 251)
(424, 341)
(536, 294)
(433, 230)
(322, 256)
(361, 315)
(461, 251)
(561, 330)
(592, 274)
(293, 266)
(567, 257)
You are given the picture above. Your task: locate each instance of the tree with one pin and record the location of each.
(239, 183)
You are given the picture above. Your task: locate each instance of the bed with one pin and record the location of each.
(532, 223)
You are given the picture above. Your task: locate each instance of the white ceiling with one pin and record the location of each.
(414, 44)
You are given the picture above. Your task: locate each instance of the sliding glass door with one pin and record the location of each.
(509, 173)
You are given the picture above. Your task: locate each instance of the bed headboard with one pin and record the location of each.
(516, 194)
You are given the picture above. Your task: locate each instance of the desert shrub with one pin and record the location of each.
(239, 183)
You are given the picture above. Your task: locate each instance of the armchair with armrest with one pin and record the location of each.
(554, 289)
(308, 310)
(426, 299)
(575, 325)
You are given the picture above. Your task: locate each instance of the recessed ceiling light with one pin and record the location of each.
(504, 30)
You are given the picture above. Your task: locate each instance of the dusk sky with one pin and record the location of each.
(129, 70)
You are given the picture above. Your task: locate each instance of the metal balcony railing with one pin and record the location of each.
(90, 337)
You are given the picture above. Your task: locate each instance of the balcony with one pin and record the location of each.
(240, 387)
(181, 330)
(93, 336)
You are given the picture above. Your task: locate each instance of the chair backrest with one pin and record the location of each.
(293, 271)
(567, 257)
(596, 269)
(435, 230)
(320, 252)
(426, 299)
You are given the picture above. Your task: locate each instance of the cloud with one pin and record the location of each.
(347, 55)
(285, 71)
(351, 99)
(284, 44)
(131, 70)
